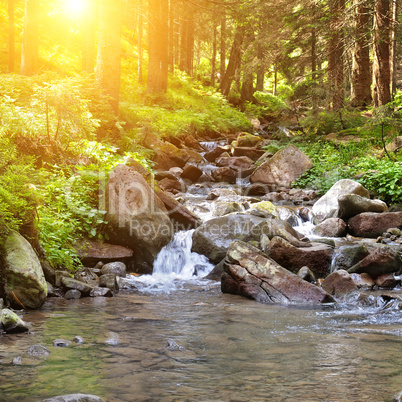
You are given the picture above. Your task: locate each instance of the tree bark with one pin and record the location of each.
(158, 46)
(234, 61)
(394, 34)
(140, 36)
(361, 72)
(223, 47)
(381, 56)
(88, 22)
(187, 39)
(108, 66)
(336, 57)
(213, 58)
(11, 36)
(30, 38)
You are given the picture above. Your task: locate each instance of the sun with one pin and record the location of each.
(75, 7)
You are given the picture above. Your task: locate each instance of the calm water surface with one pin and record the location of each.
(232, 349)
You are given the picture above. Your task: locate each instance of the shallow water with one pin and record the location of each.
(232, 349)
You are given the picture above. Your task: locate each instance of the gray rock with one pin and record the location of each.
(78, 339)
(101, 292)
(347, 256)
(17, 361)
(285, 167)
(73, 294)
(397, 397)
(109, 281)
(214, 237)
(24, 282)
(12, 323)
(253, 275)
(70, 283)
(363, 281)
(37, 352)
(117, 268)
(75, 398)
(353, 204)
(328, 205)
(61, 343)
(331, 227)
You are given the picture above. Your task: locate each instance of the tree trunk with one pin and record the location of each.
(140, 37)
(213, 58)
(336, 56)
(361, 73)
(108, 66)
(88, 22)
(394, 34)
(247, 87)
(171, 45)
(187, 39)
(158, 46)
(234, 61)
(30, 38)
(223, 47)
(381, 56)
(11, 36)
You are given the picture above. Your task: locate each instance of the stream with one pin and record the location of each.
(174, 336)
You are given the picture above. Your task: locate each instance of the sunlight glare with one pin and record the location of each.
(75, 7)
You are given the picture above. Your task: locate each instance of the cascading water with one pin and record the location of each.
(175, 265)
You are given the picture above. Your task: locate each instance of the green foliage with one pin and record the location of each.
(331, 163)
(271, 105)
(18, 197)
(383, 178)
(187, 107)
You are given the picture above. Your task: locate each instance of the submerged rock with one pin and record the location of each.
(371, 224)
(75, 398)
(328, 205)
(38, 352)
(24, 281)
(249, 273)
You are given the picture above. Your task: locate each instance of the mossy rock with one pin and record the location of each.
(266, 207)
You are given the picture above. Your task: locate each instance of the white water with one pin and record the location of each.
(175, 266)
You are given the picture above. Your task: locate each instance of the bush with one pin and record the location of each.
(271, 105)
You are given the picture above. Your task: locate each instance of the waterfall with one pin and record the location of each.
(175, 265)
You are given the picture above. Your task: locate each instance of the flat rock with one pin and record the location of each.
(75, 398)
(249, 273)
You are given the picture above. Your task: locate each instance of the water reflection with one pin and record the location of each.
(231, 349)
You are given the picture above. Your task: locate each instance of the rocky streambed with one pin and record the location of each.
(178, 320)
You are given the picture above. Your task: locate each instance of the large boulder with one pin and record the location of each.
(214, 237)
(353, 204)
(383, 260)
(317, 256)
(24, 281)
(247, 272)
(328, 205)
(371, 224)
(136, 217)
(286, 166)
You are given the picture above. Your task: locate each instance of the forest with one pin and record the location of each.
(82, 82)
